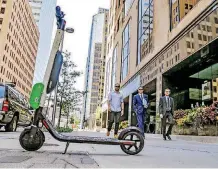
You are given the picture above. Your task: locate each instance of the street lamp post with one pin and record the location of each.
(68, 30)
(82, 117)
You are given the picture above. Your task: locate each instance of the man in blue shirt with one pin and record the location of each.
(115, 108)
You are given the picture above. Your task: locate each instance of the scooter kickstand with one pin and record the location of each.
(67, 145)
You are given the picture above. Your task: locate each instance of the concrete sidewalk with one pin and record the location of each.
(201, 139)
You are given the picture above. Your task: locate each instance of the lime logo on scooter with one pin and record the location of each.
(36, 94)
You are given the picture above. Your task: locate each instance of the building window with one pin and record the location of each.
(145, 28)
(188, 44)
(113, 74)
(1, 21)
(192, 35)
(125, 53)
(128, 5)
(204, 37)
(107, 78)
(216, 20)
(199, 37)
(4, 1)
(2, 10)
(186, 6)
(177, 18)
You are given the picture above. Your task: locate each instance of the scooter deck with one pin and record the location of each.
(84, 139)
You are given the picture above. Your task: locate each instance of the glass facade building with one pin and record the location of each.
(44, 14)
(92, 79)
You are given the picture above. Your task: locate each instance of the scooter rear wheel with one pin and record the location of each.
(133, 149)
(36, 142)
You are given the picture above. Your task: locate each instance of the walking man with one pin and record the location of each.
(116, 108)
(166, 109)
(140, 104)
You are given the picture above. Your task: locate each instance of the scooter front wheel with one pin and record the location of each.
(36, 142)
(137, 147)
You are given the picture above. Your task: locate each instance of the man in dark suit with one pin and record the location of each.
(166, 109)
(140, 105)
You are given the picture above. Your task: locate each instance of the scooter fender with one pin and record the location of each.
(128, 129)
(29, 128)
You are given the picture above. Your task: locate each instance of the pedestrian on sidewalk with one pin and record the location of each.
(115, 108)
(140, 104)
(166, 110)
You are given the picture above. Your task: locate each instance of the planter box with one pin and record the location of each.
(210, 130)
(184, 130)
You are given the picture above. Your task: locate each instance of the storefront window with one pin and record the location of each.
(194, 80)
(206, 88)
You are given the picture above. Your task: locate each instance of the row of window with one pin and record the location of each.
(19, 63)
(13, 79)
(25, 24)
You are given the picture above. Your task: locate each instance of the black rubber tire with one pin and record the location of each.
(141, 146)
(10, 127)
(37, 142)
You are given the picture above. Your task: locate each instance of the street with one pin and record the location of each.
(156, 153)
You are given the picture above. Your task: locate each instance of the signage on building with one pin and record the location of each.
(206, 91)
(131, 87)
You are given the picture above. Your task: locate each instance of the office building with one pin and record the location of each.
(180, 8)
(44, 14)
(36, 6)
(94, 66)
(182, 56)
(19, 38)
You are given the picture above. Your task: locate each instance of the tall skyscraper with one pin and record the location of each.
(94, 65)
(36, 6)
(19, 38)
(44, 14)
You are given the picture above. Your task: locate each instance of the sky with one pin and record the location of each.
(79, 16)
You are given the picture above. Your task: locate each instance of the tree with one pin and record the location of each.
(66, 89)
(98, 116)
(71, 103)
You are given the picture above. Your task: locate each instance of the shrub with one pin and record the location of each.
(64, 129)
(123, 125)
(207, 115)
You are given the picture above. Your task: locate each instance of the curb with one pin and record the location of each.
(201, 139)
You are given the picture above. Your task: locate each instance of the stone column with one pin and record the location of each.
(130, 111)
(158, 96)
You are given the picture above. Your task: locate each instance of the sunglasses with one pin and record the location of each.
(117, 86)
(140, 89)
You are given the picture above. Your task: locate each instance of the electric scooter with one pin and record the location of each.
(32, 138)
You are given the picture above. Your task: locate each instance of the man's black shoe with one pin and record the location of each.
(168, 136)
(164, 138)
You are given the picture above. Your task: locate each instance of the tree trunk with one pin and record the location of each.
(68, 115)
(59, 118)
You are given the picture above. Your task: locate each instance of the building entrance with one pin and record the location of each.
(194, 81)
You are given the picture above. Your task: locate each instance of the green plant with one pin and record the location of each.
(207, 115)
(64, 130)
(123, 125)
